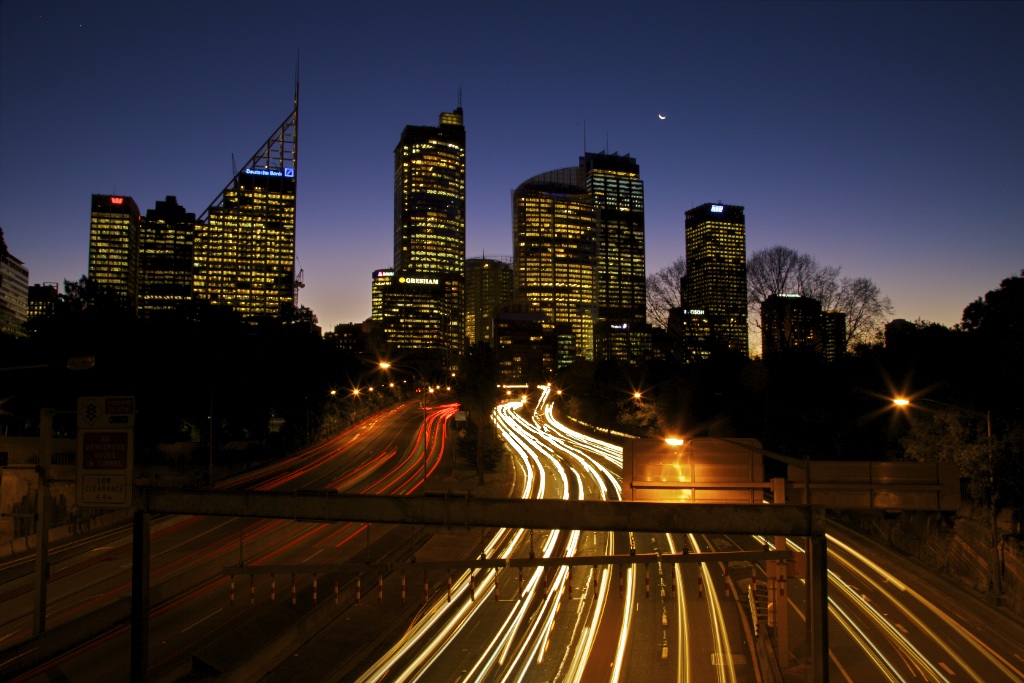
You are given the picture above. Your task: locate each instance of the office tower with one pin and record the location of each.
(796, 324)
(351, 337)
(689, 335)
(614, 182)
(166, 246)
(833, 335)
(716, 272)
(42, 300)
(488, 289)
(554, 235)
(409, 313)
(13, 292)
(790, 324)
(525, 346)
(245, 240)
(430, 227)
(114, 247)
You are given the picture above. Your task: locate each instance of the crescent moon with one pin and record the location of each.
(662, 117)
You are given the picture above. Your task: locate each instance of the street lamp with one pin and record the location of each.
(385, 366)
(997, 575)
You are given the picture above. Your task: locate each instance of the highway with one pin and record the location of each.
(191, 608)
(889, 619)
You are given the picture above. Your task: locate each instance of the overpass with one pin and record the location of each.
(461, 510)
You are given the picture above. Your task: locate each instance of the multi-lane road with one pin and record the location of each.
(889, 620)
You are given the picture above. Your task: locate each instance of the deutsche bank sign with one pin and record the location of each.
(287, 172)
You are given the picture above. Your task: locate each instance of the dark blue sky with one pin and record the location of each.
(881, 137)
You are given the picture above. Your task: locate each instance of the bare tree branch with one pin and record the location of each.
(780, 270)
(663, 292)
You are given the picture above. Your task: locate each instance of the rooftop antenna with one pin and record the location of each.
(234, 169)
(584, 137)
(460, 97)
(297, 78)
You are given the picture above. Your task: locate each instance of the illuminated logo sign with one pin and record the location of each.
(273, 172)
(418, 280)
(384, 273)
(696, 311)
(623, 326)
(116, 200)
(717, 208)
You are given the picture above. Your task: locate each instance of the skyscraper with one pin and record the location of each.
(791, 324)
(488, 288)
(42, 300)
(13, 292)
(114, 246)
(554, 235)
(716, 272)
(614, 182)
(245, 240)
(166, 246)
(409, 311)
(430, 224)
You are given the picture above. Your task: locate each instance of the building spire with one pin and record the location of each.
(296, 79)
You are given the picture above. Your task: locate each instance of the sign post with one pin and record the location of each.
(106, 450)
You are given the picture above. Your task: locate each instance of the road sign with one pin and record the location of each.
(99, 412)
(105, 468)
(702, 470)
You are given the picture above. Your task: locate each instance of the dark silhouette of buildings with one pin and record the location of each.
(42, 300)
(166, 245)
(796, 325)
(488, 289)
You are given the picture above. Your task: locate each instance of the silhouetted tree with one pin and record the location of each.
(780, 270)
(663, 292)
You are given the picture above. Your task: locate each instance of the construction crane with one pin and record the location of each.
(300, 282)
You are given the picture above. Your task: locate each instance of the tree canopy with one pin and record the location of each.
(780, 270)
(663, 292)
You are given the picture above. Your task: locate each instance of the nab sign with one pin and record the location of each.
(106, 449)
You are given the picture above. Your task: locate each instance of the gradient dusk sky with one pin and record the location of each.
(884, 138)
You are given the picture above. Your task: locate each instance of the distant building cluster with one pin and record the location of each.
(239, 253)
(573, 289)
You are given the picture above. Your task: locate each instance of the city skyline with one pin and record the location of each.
(880, 138)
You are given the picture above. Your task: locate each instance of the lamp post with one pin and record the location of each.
(996, 579)
(384, 365)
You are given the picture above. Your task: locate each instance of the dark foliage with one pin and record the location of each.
(268, 384)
